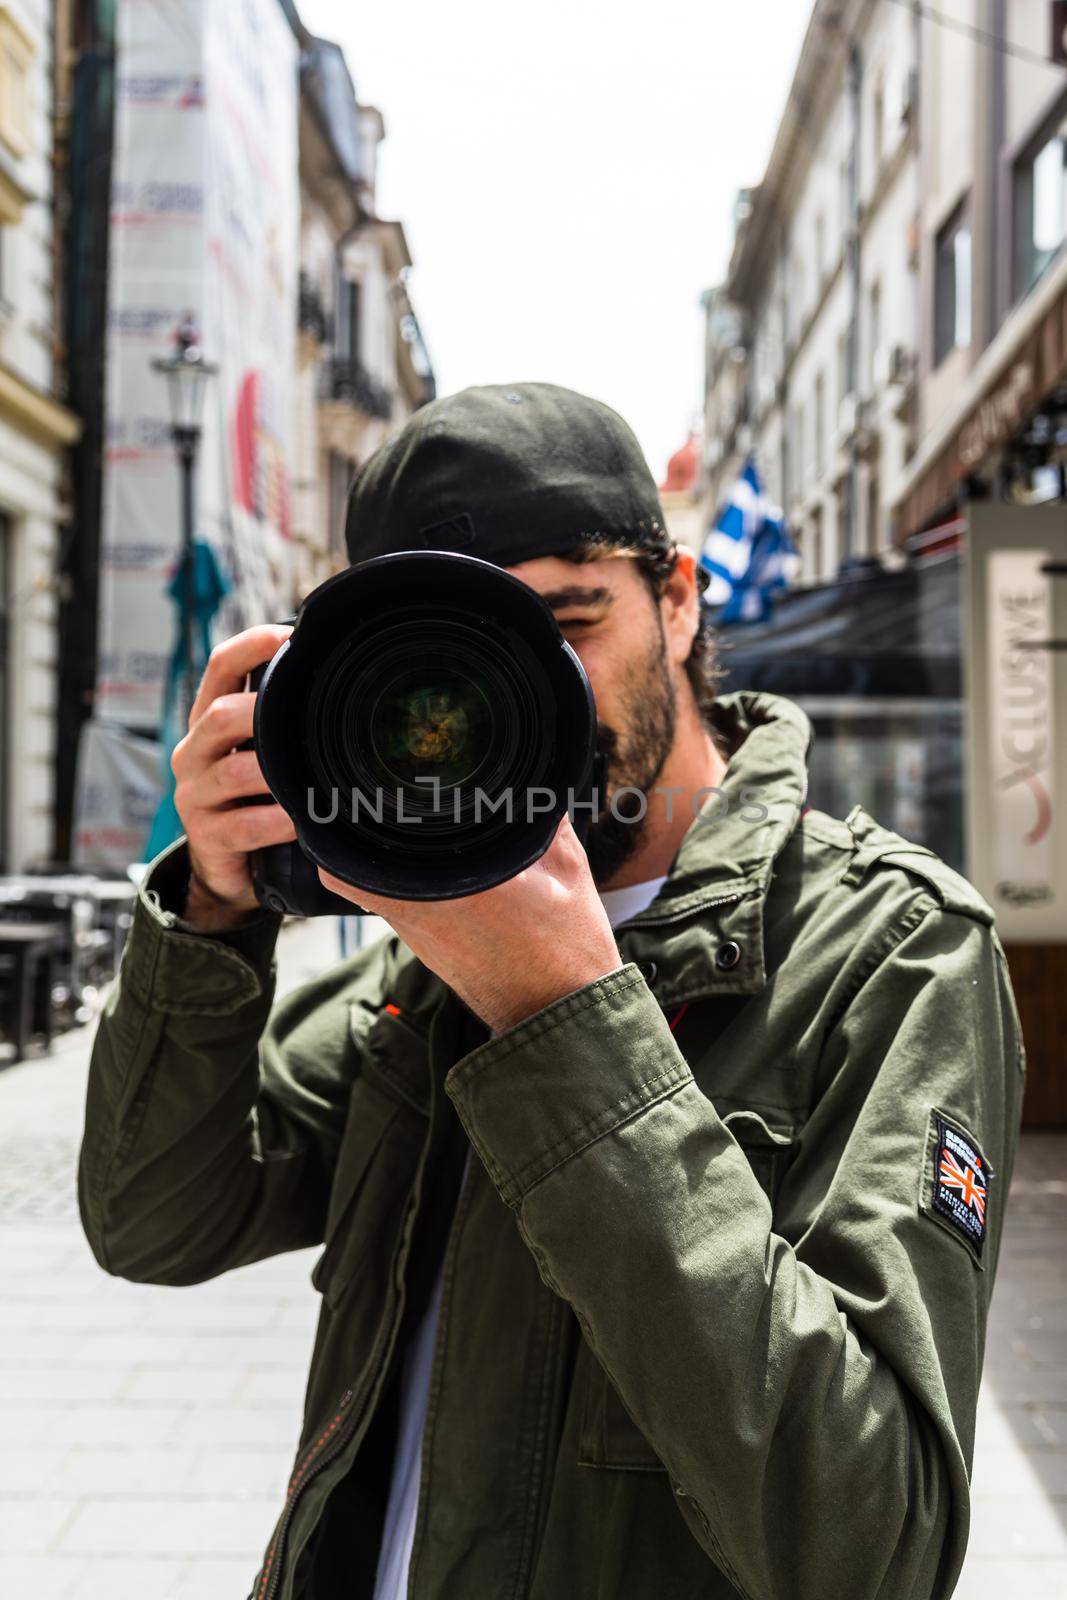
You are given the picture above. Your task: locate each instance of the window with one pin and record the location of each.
(878, 127)
(341, 472)
(346, 324)
(952, 287)
(874, 515)
(842, 365)
(874, 331)
(820, 425)
(815, 551)
(16, 54)
(798, 449)
(1040, 206)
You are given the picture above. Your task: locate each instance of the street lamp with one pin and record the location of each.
(186, 373)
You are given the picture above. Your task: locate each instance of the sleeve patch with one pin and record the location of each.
(955, 1190)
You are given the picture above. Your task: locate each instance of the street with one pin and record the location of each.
(147, 1433)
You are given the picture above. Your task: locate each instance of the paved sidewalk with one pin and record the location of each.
(146, 1434)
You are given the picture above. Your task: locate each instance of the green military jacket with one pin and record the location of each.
(715, 1287)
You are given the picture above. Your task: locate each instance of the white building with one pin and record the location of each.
(35, 431)
(810, 340)
(362, 368)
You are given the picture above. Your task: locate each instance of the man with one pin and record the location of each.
(704, 1314)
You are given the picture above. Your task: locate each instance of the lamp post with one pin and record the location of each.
(186, 373)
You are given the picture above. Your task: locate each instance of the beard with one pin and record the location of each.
(635, 752)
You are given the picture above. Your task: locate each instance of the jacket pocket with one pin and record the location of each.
(767, 1149)
(385, 1130)
(607, 1434)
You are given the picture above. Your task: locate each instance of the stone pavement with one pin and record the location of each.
(146, 1434)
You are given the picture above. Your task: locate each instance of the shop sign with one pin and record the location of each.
(1017, 789)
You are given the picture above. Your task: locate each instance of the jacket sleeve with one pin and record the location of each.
(810, 1386)
(212, 1124)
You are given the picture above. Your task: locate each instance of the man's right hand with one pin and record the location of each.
(212, 777)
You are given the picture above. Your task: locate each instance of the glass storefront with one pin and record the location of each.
(874, 660)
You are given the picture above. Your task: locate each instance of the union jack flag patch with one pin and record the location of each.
(958, 1181)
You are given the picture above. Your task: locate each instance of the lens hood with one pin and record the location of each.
(426, 726)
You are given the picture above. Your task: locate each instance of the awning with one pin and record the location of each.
(1025, 362)
(871, 634)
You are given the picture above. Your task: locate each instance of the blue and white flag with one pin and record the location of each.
(748, 552)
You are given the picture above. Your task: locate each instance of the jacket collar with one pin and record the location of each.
(714, 895)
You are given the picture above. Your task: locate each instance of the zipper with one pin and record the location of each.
(338, 1432)
(334, 1438)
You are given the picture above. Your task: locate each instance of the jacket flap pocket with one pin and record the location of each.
(607, 1434)
(394, 1054)
(360, 1184)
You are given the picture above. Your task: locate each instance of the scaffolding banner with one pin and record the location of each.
(1017, 703)
(119, 780)
(204, 220)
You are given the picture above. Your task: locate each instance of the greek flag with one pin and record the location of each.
(748, 552)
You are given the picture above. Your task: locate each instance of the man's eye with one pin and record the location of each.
(569, 624)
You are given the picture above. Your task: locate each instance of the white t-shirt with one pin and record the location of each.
(398, 1531)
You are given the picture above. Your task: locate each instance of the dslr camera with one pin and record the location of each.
(426, 726)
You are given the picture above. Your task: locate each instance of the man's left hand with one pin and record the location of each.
(512, 950)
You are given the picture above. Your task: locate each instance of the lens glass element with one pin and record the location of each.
(431, 727)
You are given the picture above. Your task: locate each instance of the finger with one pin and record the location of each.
(226, 722)
(233, 777)
(244, 828)
(230, 663)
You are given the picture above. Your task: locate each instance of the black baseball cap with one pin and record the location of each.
(506, 472)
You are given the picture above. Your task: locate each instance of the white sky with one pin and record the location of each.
(566, 179)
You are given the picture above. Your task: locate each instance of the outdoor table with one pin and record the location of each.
(26, 951)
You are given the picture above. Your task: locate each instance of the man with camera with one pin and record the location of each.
(661, 1183)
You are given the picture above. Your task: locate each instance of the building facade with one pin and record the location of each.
(36, 431)
(988, 476)
(362, 366)
(891, 342)
(810, 347)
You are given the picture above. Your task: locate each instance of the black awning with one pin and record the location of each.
(870, 634)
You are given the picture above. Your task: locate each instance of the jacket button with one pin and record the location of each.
(648, 970)
(727, 955)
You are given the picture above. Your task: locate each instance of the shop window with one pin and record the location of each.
(1040, 205)
(952, 286)
(16, 56)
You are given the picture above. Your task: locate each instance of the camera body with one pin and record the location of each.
(426, 726)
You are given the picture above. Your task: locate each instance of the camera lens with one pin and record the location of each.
(422, 700)
(437, 741)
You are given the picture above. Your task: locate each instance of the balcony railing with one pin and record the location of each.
(346, 379)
